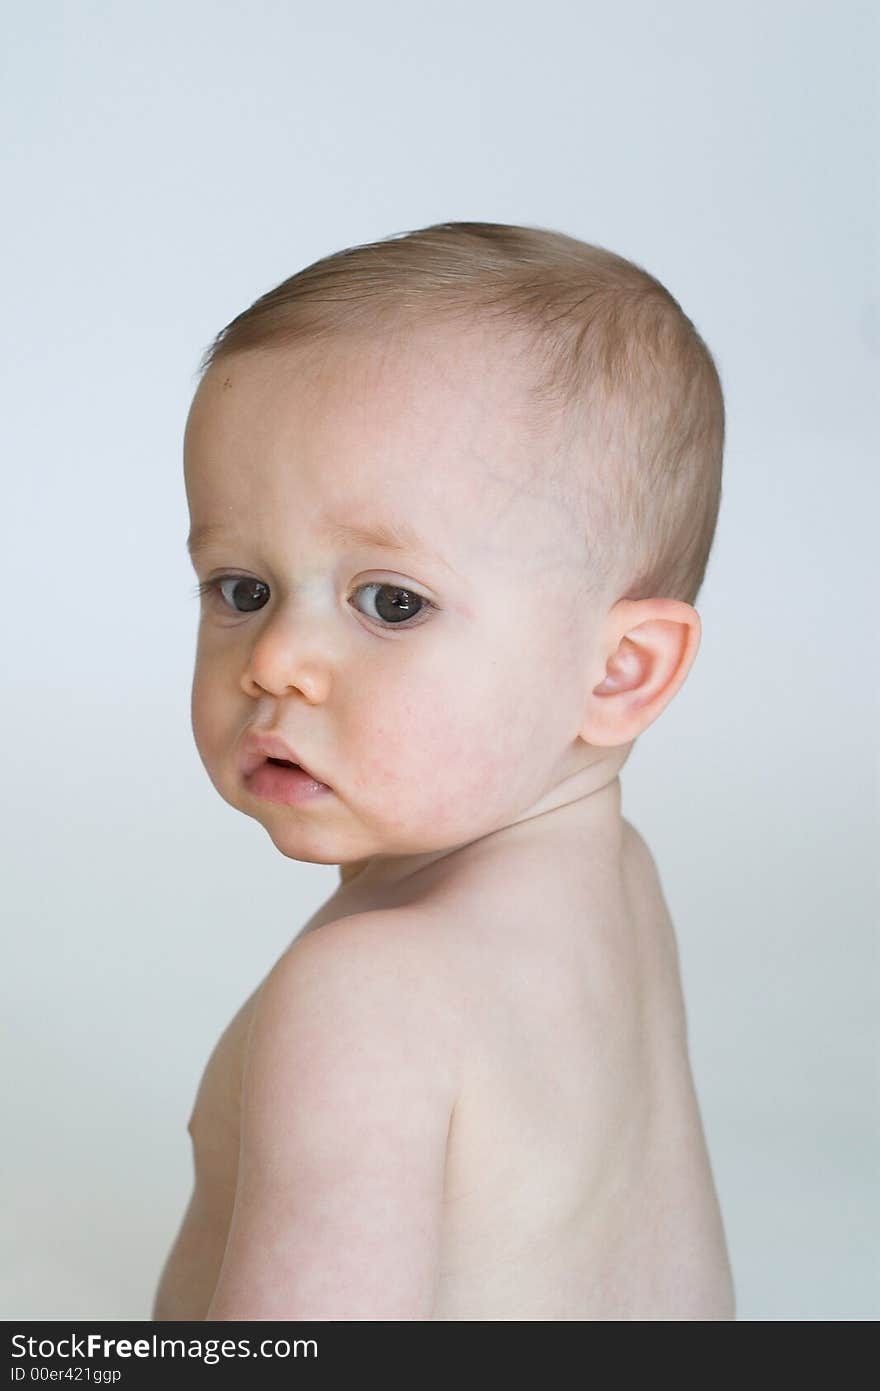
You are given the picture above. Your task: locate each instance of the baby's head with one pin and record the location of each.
(452, 497)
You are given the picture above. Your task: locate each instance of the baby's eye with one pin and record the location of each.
(399, 605)
(242, 587)
(391, 604)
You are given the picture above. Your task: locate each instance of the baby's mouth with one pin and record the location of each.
(282, 780)
(268, 753)
(292, 767)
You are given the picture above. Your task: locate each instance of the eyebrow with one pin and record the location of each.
(399, 537)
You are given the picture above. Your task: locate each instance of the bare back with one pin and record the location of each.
(578, 1181)
(578, 1184)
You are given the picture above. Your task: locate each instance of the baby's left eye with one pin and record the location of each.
(400, 604)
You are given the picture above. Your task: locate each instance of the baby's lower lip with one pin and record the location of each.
(279, 782)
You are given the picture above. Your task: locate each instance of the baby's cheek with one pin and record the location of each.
(200, 709)
(407, 751)
(499, 755)
(407, 744)
(209, 727)
(457, 769)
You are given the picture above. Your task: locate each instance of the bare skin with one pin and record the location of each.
(578, 1184)
(475, 800)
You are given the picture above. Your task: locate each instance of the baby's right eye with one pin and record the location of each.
(212, 588)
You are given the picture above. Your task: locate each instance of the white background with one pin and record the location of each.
(167, 163)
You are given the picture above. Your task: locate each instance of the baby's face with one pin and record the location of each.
(433, 716)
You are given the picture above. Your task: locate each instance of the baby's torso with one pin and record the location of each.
(578, 1184)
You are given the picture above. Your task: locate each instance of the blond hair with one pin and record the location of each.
(611, 354)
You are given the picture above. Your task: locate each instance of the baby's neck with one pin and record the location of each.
(591, 791)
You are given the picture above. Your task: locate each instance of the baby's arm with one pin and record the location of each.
(347, 1097)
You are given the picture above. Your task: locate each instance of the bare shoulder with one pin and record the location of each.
(376, 981)
(348, 1087)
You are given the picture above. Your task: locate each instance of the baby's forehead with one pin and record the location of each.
(434, 425)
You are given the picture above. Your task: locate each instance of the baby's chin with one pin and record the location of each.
(296, 839)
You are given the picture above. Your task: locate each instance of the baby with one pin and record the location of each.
(452, 496)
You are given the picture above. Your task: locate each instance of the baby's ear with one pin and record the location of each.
(647, 648)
